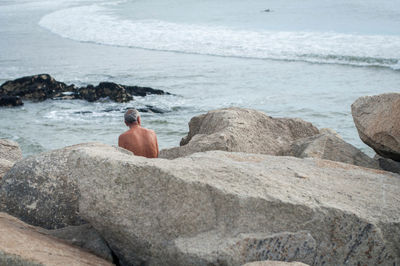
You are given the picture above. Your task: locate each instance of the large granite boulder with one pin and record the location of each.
(21, 244)
(40, 190)
(240, 130)
(378, 124)
(223, 208)
(329, 146)
(10, 152)
(37, 88)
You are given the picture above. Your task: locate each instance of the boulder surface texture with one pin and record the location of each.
(10, 152)
(274, 263)
(222, 208)
(377, 119)
(240, 130)
(330, 147)
(21, 244)
(40, 190)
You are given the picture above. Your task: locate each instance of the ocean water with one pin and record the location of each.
(310, 59)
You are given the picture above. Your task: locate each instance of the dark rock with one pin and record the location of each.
(43, 86)
(113, 91)
(143, 91)
(83, 112)
(152, 109)
(84, 236)
(10, 101)
(35, 88)
(388, 164)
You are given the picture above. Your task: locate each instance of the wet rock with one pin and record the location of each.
(227, 208)
(43, 86)
(378, 124)
(113, 91)
(10, 153)
(328, 146)
(10, 101)
(40, 190)
(35, 88)
(241, 130)
(21, 244)
(152, 109)
(144, 91)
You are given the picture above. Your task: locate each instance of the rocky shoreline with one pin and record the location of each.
(241, 187)
(42, 87)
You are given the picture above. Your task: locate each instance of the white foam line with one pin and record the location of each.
(94, 24)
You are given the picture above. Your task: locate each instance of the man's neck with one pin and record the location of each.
(133, 125)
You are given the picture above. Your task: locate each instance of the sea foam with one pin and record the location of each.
(96, 24)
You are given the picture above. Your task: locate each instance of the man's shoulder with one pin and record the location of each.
(123, 134)
(150, 131)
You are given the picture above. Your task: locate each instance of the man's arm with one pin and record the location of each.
(158, 152)
(120, 141)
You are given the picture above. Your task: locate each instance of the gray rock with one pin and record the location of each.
(274, 263)
(223, 208)
(378, 124)
(240, 130)
(84, 236)
(5, 166)
(330, 147)
(388, 164)
(10, 152)
(24, 245)
(40, 191)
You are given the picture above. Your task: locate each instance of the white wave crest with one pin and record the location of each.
(94, 24)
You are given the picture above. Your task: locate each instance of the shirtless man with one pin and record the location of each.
(139, 140)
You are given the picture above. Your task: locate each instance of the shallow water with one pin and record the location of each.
(290, 62)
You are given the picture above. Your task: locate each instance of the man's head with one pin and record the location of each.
(132, 117)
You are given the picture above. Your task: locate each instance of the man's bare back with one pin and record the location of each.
(141, 141)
